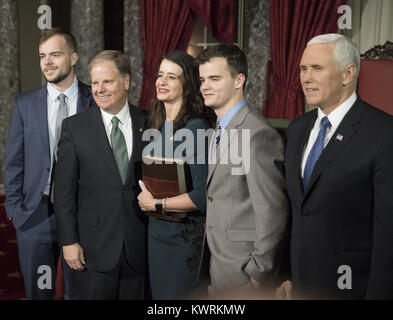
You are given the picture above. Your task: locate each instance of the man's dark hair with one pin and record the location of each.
(68, 37)
(117, 57)
(235, 57)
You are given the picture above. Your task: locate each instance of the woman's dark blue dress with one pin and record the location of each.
(174, 248)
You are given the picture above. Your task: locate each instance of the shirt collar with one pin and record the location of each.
(229, 115)
(71, 93)
(123, 115)
(337, 115)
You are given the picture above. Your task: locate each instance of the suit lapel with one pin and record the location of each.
(102, 142)
(84, 97)
(137, 129)
(235, 122)
(300, 146)
(41, 110)
(41, 113)
(347, 128)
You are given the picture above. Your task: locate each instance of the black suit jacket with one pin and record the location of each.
(345, 215)
(92, 205)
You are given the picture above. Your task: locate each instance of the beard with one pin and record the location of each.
(60, 76)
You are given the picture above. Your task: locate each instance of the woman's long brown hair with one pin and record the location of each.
(192, 105)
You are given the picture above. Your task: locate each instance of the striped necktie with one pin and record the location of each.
(215, 142)
(217, 134)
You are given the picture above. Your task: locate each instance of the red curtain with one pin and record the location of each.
(292, 24)
(220, 16)
(166, 25)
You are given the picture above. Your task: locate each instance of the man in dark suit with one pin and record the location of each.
(30, 149)
(101, 230)
(339, 173)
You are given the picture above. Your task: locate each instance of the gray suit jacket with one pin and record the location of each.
(247, 206)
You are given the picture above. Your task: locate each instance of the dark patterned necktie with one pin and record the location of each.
(119, 148)
(218, 134)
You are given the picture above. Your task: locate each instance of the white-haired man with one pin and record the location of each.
(339, 176)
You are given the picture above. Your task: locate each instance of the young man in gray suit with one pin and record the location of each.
(247, 206)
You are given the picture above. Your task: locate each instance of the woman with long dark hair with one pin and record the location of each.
(174, 248)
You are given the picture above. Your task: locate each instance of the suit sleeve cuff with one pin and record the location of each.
(259, 273)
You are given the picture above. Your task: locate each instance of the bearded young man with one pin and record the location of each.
(30, 157)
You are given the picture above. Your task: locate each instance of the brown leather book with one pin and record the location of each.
(165, 178)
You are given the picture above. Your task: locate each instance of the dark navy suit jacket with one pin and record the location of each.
(27, 159)
(345, 215)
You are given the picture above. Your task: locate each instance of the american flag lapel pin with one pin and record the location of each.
(339, 137)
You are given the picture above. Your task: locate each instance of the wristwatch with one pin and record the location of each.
(159, 207)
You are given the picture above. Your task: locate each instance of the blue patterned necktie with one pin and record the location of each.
(119, 148)
(316, 150)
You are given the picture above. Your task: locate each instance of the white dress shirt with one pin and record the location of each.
(125, 125)
(53, 104)
(335, 118)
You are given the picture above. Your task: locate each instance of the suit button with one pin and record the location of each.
(125, 192)
(305, 214)
(210, 198)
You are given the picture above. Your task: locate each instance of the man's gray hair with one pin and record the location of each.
(117, 57)
(345, 52)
